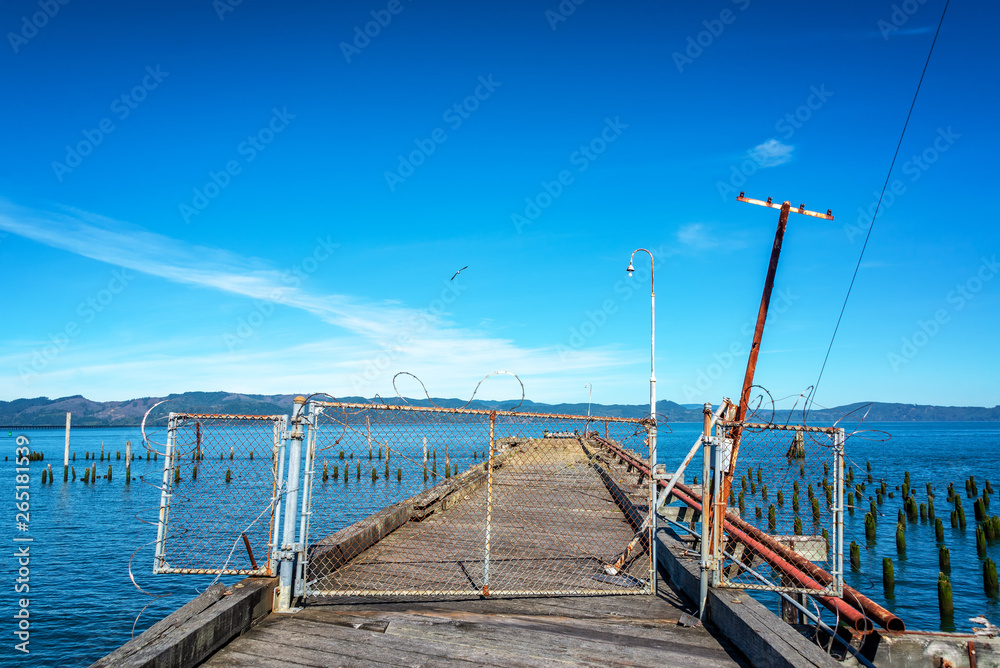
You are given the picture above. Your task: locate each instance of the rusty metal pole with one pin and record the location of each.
(758, 334)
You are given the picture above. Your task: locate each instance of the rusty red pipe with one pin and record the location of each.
(851, 596)
(855, 598)
(850, 614)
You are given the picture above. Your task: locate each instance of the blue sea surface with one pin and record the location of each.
(83, 603)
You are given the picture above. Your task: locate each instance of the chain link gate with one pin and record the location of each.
(789, 484)
(406, 500)
(221, 494)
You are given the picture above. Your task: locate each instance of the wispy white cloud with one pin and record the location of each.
(434, 348)
(771, 153)
(697, 236)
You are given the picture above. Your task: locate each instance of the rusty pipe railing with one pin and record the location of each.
(873, 610)
(851, 596)
(847, 612)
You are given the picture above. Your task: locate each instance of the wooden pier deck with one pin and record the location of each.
(558, 544)
(553, 631)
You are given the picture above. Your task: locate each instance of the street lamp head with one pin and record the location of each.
(630, 269)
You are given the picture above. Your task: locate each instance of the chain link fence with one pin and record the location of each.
(405, 500)
(220, 494)
(788, 484)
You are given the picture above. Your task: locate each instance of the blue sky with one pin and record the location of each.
(260, 197)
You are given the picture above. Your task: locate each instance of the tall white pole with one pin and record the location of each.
(66, 449)
(652, 399)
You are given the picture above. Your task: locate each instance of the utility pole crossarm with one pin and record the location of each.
(743, 405)
(772, 205)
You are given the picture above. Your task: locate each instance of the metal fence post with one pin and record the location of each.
(287, 552)
(706, 488)
(279, 481)
(838, 511)
(309, 477)
(654, 518)
(489, 506)
(718, 520)
(159, 560)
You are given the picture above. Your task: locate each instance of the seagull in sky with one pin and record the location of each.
(459, 272)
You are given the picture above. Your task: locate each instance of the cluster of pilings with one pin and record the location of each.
(89, 474)
(914, 511)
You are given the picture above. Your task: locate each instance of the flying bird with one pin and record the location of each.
(459, 272)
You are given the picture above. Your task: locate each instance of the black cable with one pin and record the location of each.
(879, 204)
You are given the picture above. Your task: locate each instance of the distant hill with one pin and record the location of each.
(42, 411)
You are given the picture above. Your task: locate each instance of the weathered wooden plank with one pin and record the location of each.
(353, 644)
(188, 643)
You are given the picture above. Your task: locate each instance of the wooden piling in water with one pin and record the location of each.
(939, 530)
(944, 560)
(900, 539)
(128, 462)
(855, 556)
(980, 541)
(945, 605)
(66, 449)
(888, 577)
(990, 578)
(870, 527)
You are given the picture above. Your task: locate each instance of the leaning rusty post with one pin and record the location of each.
(128, 462)
(197, 441)
(765, 300)
(66, 450)
(489, 506)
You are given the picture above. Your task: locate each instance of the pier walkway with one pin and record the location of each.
(591, 505)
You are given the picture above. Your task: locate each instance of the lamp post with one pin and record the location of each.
(652, 347)
(652, 403)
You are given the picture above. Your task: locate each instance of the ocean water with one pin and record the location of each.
(83, 603)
